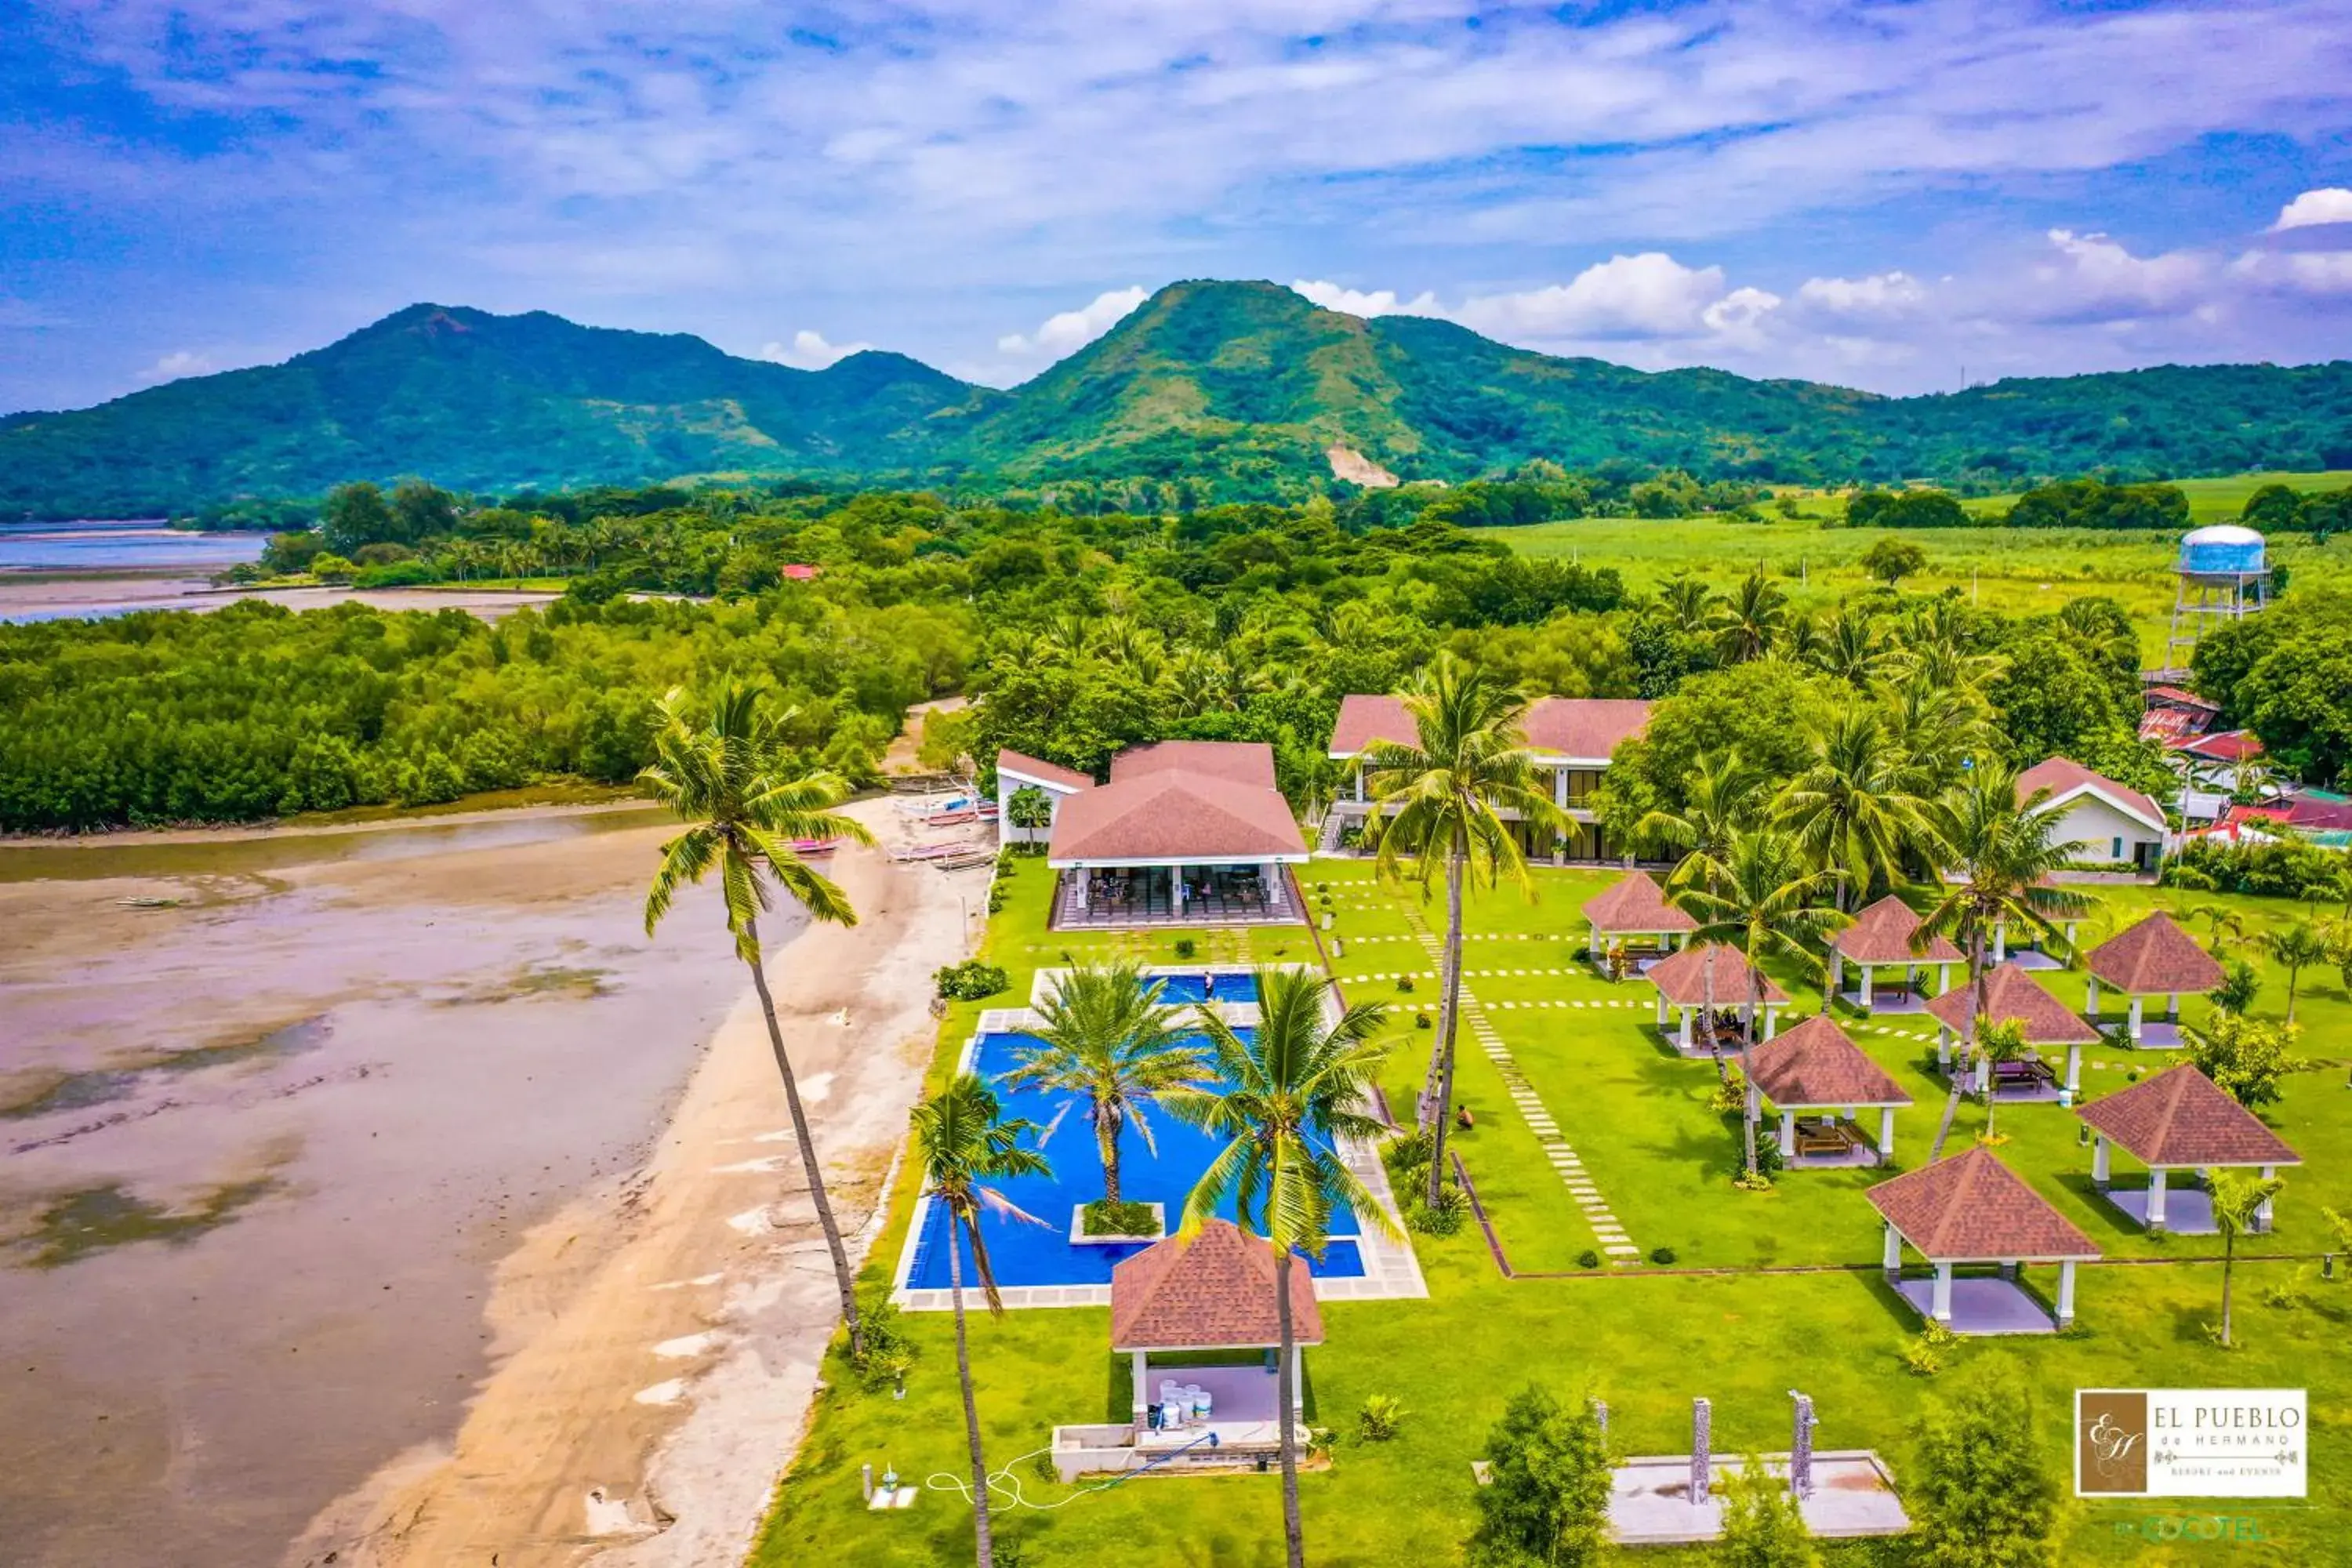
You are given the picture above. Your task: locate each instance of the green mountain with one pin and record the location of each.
(479, 402)
(1246, 385)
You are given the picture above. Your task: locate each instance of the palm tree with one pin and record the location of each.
(1721, 796)
(1106, 1040)
(1752, 620)
(963, 1141)
(1855, 809)
(1941, 728)
(1998, 1043)
(1441, 800)
(1688, 600)
(2294, 948)
(1852, 647)
(2003, 850)
(1769, 905)
(1285, 1099)
(2238, 1200)
(728, 778)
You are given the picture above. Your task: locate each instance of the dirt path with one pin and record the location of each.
(662, 1340)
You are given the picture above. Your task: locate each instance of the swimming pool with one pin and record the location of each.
(1044, 1255)
(1225, 987)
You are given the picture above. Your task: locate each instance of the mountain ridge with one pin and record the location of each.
(1242, 386)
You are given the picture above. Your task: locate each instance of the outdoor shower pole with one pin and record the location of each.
(1702, 1470)
(1800, 1449)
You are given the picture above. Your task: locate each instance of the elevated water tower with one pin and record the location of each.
(2224, 576)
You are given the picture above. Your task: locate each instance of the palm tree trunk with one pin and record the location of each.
(841, 1273)
(970, 1410)
(2294, 976)
(1106, 1135)
(1748, 1060)
(2229, 1260)
(1449, 1018)
(1968, 1040)
(1294, 1536)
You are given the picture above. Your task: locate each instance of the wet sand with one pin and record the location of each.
(652, 1390)
(272, 1109)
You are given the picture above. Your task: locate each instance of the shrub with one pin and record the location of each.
(1588, 1258)
(889, 1354)
(2279, 870)
(1441, 1218)
(970, 981)
(1186, 947)
(1381, 1416)
(1730, 1093)
(1404, 983)
(1663, 1257)
(1408, 1149)
(1924, 1356)
(1103, 1217)
(1421, 1021)
(995, 897)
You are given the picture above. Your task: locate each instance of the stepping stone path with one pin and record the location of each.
(1615, 1244)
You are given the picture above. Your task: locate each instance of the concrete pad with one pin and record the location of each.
(1984, 1305)
(1650, 1505)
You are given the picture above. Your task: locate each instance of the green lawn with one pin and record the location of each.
(1644, 1338)
(2020, 571)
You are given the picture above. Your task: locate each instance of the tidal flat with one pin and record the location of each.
(272, 1108)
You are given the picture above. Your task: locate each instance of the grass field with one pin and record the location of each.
(2020, 571)
(1645, 1338)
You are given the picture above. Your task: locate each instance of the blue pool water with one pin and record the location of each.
(1175, 988)
(1043, 1255)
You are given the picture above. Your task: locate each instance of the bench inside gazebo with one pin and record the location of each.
(2179, 1124)
(2013, 995)
(2153, 959)
(1979, 1225)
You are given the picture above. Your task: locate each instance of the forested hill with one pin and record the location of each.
(1240, 388)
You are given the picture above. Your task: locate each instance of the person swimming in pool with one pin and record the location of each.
(1208, 987)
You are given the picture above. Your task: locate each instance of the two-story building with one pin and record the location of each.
(1569, 737)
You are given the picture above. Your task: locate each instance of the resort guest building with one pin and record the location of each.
(1185, 833)
(2107, 826)
(1016, 772)
(1569, 737)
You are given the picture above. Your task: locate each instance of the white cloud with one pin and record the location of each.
(2331, 203)
(1880, 296)
(1649, 295)
(2297, 271)
(2095, 279)
(1071, 330)
(809, 351)
(1358, 303)
(178, 364)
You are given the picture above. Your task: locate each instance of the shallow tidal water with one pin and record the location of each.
(271, 1109)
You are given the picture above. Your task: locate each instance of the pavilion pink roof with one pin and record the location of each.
(2011, 993)
(1585, 727)
(1634, 902)
(1171, 815)
(2154, 957)
(1882, 935)
(1815, 1063)
(1043, 772)
(1972, 1208)
(2181, 1117)
(1682, 979)
(2064, 778)
(1212, 1290)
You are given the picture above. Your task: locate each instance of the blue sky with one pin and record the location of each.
(1873, 194)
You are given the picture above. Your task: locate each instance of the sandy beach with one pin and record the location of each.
(658, 1342)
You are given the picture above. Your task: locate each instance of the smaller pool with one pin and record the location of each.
(1203, 987)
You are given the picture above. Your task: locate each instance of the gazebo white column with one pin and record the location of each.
(1940, 1301)
(1999, 942)
(2263, 1209)
(2066, 1291)
(1662, 1009)
(1683, 1037)
(2173, 1008)
(1592, 940)
(2134, 1027)
(1837, 972)
(1787, 1135)
(2091, 999)
(2074, 1068)
(2099, 1161)
(1943, 1046)
(1943, 978)
(1141, 1395)
(1894, 1259)
(2156, 1198)
(1886, 1131)
(1298, 1379)
(1772, 1019)
(1867, 970)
